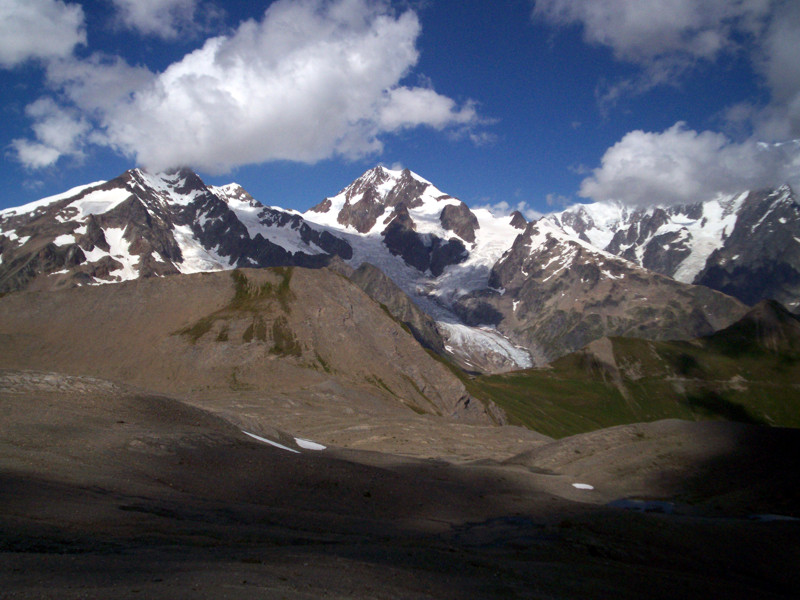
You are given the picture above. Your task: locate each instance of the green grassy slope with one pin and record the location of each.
(749, 372)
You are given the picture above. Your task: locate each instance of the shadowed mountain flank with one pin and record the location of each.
(383, 290)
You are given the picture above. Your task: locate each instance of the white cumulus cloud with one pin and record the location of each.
(645, 31)
(504, 209)
(680, 165)
(38, 29)
(58, 131)
(778, 60)
(411, 107)
(666, 38)
(161, 18)
(311, 80)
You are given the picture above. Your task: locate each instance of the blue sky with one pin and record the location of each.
(511, 104)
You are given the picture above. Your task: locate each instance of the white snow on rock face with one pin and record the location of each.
(44, 202)
(64, 240)
(99, 202)
(701, 234)
(466, 340)
(708, 233)
(196, 258)
(119, 251)
(698, 230)
(165, 196)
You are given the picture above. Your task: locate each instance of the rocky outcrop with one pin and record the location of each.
(459, 219)
(745, 245)
(423, 252)
(518, 221)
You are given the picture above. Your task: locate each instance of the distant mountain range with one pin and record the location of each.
(493, 293)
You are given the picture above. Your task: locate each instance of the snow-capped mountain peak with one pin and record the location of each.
(143, 224)
(363, 205)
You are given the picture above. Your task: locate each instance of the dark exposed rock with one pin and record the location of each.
(364, 213)
(444, 254)
(665, 252)
(459, 219)
(478, 309)
(327, 241)
(422, 252)
(94, 236)
(103, 268)
(406, 191)
(518, 221)
(401, 240)
(148, 218)
(323, 206)
(21, 271)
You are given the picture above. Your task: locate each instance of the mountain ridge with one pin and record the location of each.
(467, 269)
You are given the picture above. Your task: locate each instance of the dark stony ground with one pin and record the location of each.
(109, 493)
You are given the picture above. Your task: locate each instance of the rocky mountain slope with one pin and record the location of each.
(553, 293)
(746, 245)
(433, 247)
(284, 331)
(477, 297)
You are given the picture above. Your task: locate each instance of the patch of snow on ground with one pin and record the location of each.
(582, 486)
(308, 444)
(12, 235)
(270, 442)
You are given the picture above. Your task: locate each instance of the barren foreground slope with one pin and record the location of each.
(110, 493)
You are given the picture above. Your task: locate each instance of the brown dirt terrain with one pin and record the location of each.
(110, 493)
(206, 333)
